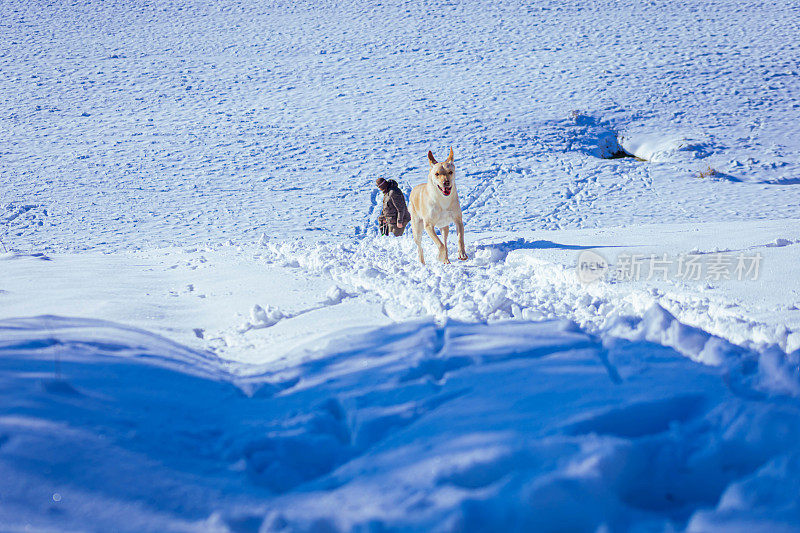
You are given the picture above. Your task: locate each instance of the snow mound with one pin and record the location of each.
(57, 339)
(663, 148)
(416, 426)
(263, 318)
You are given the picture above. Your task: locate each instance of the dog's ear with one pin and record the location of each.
(431, 159)
(450, 157)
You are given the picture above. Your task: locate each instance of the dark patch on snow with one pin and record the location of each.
(790, 181)
(620, 154)
(59, 386)
(722, 176)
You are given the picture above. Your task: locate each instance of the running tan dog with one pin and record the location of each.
(435, 205)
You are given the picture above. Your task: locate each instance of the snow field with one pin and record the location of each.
(121, 126)
(412, 426)
(171, 375)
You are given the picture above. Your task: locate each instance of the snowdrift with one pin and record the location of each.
(662, 148)
(514, 426)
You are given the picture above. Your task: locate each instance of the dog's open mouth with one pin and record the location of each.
(445, 190)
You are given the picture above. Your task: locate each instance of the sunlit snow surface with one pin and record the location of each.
(201, 331)
(136, 122)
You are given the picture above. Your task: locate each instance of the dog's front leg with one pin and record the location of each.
(442, 249)
(462, 252)
(416, 228)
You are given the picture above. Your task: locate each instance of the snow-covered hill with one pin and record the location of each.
(200, 329)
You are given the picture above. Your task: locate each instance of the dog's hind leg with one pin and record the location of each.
(445, 233)
(442, 249)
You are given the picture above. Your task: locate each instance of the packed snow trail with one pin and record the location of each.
(458, 427)
(509, 280)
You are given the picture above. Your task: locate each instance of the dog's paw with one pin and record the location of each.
(463, 256)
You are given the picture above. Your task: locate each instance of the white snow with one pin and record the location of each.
(201, 329)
